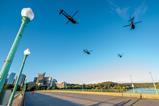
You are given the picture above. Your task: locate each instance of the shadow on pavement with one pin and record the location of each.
(85, 98)
(122, 103)
(37, 99)
(100, 102)
(135, 102)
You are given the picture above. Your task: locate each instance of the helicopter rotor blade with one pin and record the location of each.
(138, 22)
(75, 13)
(60, 11)
(126, 25)
(67, 22)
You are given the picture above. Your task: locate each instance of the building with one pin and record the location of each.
(43, 81)
(21, 80)
(40, 79)
(11, 79)
(48, 81)
(61, 85)
(53, 84)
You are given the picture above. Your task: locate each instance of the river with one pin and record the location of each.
(144, 90)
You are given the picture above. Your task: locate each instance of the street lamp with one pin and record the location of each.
(27, 16)
(132, 85)
(153, 83)
(26, 54)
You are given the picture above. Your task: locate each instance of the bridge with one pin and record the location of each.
(81, 99)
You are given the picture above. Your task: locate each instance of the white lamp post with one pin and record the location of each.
(153, 83)
(132, 85)
(26, 54)
(27, 16)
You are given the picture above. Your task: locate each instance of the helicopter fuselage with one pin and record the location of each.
(132, 25)
(87, 52)
(69, 17)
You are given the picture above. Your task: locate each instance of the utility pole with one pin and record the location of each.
(27, 16)
(26, 54)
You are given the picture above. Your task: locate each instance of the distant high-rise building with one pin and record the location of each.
(53, 83)
(22, 80)
(35, 79)
(11, 79)
(41, 80)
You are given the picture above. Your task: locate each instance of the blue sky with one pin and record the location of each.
(56, 47)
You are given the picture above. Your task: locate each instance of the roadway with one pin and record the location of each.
(70, 99)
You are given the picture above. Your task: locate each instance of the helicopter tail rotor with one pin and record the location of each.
(131, 19)
(75, 13)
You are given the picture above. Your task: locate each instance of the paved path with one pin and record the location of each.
(68, 99)
(18, 100)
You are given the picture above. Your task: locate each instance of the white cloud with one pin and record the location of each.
(127, 11)
(140, 10)
(120, 11)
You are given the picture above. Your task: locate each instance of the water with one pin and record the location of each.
(144, 90)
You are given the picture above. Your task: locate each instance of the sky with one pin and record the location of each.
(56, 47)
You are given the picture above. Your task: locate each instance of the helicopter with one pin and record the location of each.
(86, 51)
(132, 23)
(69, 17)
(120, 55)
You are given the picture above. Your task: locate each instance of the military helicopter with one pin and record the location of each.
(120, 55)
(86, 51)
(132, 23)
(69, 17)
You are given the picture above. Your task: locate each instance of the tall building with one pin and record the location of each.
(48, 81)
(21, 80)
(41, 80)
(35, 79)
(53, 83)
(11, 79)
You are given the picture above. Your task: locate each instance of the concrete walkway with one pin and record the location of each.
(70, 99)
